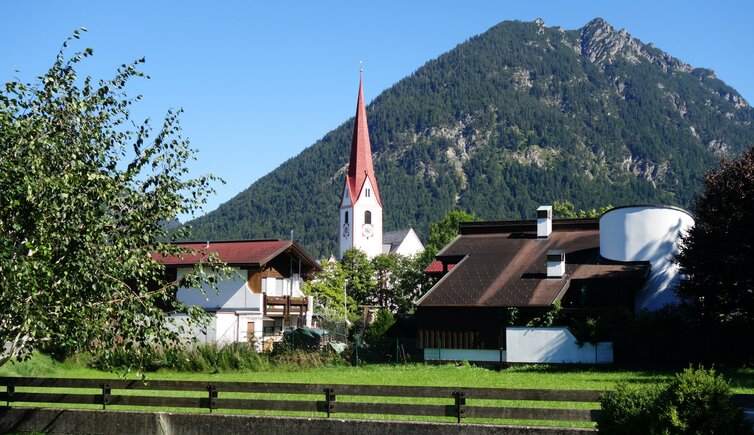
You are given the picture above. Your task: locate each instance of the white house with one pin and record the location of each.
(261, 301)
(623, 261)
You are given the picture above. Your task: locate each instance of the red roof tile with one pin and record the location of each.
(436, 267)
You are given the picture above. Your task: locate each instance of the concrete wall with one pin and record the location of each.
(21, 420)
(475, 355)
(647, 233)
(552, 345)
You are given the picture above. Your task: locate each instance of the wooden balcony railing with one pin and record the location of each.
(285, 305)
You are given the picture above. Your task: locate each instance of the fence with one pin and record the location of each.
(327, 400)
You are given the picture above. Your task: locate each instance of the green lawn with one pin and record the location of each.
(541, 376)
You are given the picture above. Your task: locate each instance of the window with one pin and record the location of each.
(346, 218)
(368, 193)
(367, 217)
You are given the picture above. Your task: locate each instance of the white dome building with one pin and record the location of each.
(647, 233)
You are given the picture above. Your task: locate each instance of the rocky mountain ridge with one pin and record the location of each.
(520, 115)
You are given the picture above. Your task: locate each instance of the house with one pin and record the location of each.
(495, 271)
(261, 301)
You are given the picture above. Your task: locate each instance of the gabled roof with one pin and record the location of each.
(503, 264)
(254, 253)
(361, 167)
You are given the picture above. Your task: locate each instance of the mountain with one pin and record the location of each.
(516, 117)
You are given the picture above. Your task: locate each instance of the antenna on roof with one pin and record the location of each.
(207, 245)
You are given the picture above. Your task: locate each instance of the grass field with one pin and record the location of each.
(452, 375)
(539, 376)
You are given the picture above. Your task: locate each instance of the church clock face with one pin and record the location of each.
(346, 230)
(367, 230)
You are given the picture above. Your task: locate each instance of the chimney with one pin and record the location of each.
(544, 221)
(555, 263)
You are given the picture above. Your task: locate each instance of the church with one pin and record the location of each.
(360, 205)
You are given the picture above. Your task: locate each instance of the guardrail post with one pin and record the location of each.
(105, 394)
(212, 392)
(329, 401)
(460, 399)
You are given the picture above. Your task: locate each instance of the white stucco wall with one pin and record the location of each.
(647, 233)
(552, 346)
(411, 244)
(372, 246)
(233, 294)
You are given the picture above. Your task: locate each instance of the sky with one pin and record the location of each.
(261, 81)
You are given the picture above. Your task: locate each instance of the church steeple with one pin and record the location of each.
(360, 206)
(361, 167)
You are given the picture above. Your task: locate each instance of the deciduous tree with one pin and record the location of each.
(86, 198)
(718, 251)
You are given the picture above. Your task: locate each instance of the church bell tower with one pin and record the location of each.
(360, 205)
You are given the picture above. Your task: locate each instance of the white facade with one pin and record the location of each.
(553, 346)
(238, 313)
(526, 345)
(647, 233)
(361, 222)
(410, 245)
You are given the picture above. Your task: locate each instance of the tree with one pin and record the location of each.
(360, 276)
(718, 251)
(444, 231)
(328, 287)
(86, 198)
(566, 210)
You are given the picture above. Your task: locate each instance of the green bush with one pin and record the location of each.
(701, 402)
(696, 401)
(630, 410)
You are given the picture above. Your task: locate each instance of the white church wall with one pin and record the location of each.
(370, 243)
(411, 244)
(647, 233)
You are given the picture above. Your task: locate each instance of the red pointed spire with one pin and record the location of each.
(361, 167)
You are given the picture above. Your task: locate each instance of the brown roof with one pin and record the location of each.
(243, 252)
(503, 264)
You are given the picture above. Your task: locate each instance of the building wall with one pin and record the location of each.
(411, 245)
(234, 293)
(553, 346)
(647, 233)
(474, 355)
(371, 245)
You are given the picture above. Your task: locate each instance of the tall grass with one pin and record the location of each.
(213, 358)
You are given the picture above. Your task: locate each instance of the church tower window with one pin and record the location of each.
(367, 217)
(346, 218)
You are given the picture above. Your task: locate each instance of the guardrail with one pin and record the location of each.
(329, 399)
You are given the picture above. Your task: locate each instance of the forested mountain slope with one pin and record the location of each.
(518, 116)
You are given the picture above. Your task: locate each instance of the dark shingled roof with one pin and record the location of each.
(503, 264)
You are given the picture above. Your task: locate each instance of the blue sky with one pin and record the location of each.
(261, 81)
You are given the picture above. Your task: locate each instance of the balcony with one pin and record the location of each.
(285, 305)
